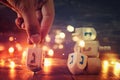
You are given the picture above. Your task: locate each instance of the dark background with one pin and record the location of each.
(103, 15)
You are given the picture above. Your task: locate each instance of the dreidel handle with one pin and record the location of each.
(36, 45)
(35, 39)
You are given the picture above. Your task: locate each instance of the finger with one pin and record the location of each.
(39, 16)
(27, 10)
(29, 41)
(20, 23)
(42, 42)
(39, 3)
(29, 20)
(6, 3)
(47, 13)
(38, 7)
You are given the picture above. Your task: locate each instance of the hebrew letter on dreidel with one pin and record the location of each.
(34, 59)
(76, 62)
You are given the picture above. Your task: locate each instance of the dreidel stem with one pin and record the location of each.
(37, 45)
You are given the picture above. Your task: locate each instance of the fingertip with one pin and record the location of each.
(20, 22)
(29, 41)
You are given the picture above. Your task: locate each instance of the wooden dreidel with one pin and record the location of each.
(91, 49)
(94, 66)
(85, 33)
(35, 58)
(76, 63)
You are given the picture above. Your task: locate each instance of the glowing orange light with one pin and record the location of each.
(47, 65)
(11, 50)
(106, 63)
(45, 48)
(12, 64)
(117, 65)
(117, 69)
(61, 46)
(47, 38)
(12, 69)
(47, 62)
(11, 38)
(2, 62)
(19, 47)
(113, 62)
(105, 66)
(50, 52)
(2, 48)
(24, 54)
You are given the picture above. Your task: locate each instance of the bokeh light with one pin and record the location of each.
(2, 62)
(81, 43)
(70, 28)
(18, 46)
(61, 46)
(47, 38)
(2, 48)
(59, 37)
(12, 70)
(62, 35)
(11, 50)
(11, 38)
(24, 54)
(12, 64)
(117, 69)
(105, 66)
(45, 48)
(50, 52)
(75, 38)
(47, 62)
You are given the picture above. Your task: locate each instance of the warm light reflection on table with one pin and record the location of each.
(12, 73)
(110, 67)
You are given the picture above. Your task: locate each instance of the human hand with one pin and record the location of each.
(31, 17)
